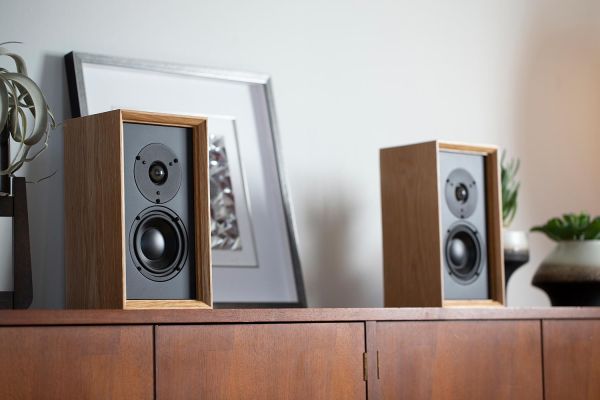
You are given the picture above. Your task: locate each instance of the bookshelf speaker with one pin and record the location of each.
(441, 218)
(137, 217)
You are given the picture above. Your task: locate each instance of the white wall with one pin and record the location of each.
(351, 77)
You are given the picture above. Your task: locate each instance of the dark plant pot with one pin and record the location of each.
(570, 274)
(516, 252)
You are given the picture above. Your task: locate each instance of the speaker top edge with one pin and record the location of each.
(161, 118)
(462, 147)
(150, 118)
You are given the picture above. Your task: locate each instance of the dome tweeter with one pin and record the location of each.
(157, 173)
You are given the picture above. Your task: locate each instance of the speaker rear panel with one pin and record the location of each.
(140, 200)
(463, 174)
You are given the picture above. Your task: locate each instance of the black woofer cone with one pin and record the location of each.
(158, 243)
(463, 253)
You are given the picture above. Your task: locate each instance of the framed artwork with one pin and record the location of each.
(254, 253)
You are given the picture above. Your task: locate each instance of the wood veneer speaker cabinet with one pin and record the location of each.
(96, 236)
(428, 353)
(413, 247)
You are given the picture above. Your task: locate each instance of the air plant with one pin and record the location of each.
(22, 103)
(510, 188)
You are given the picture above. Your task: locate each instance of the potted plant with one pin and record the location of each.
(26, 120)
(570, 274)
(516, 245)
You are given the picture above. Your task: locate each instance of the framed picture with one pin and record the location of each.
(255, 258)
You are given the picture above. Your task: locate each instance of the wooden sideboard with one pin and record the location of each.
(301, 354)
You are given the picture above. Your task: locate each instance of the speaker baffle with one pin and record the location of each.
(463, 253)
(158, 243)
(461, 193)
(157, 173)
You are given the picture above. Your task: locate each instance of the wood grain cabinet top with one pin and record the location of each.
(369, 354)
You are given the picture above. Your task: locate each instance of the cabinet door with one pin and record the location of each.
(572, 359)
(274, 361)
(76, 363)
(460, 360)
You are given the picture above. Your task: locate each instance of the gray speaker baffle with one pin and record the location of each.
(461, 193)
(464, 252)
(158, 243)
(157, 173)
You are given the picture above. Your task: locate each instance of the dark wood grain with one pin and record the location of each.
(104, 317)
(6, 206)
(23, 282)
(410, 219)
(460, 360)
(6, 300)
(76, 363)
(278, 361)
(572, 360)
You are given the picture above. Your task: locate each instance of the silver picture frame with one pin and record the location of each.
(266, 272)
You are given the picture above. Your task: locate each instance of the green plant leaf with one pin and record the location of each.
(571, 227)
(592, 232)
(553, 229)
(510, 188)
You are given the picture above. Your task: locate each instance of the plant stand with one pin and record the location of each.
(513, 261)
(15, 206)
(516, 251)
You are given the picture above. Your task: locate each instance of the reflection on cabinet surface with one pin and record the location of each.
(460, 360)
(292, 361)
(572, 360)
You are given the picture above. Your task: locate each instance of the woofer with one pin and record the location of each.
(158, 243)
(463, 253)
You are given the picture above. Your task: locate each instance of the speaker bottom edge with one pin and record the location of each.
(166, 304)
(472, 303)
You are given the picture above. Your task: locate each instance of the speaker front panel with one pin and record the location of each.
(463, 223)
(159, 212)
